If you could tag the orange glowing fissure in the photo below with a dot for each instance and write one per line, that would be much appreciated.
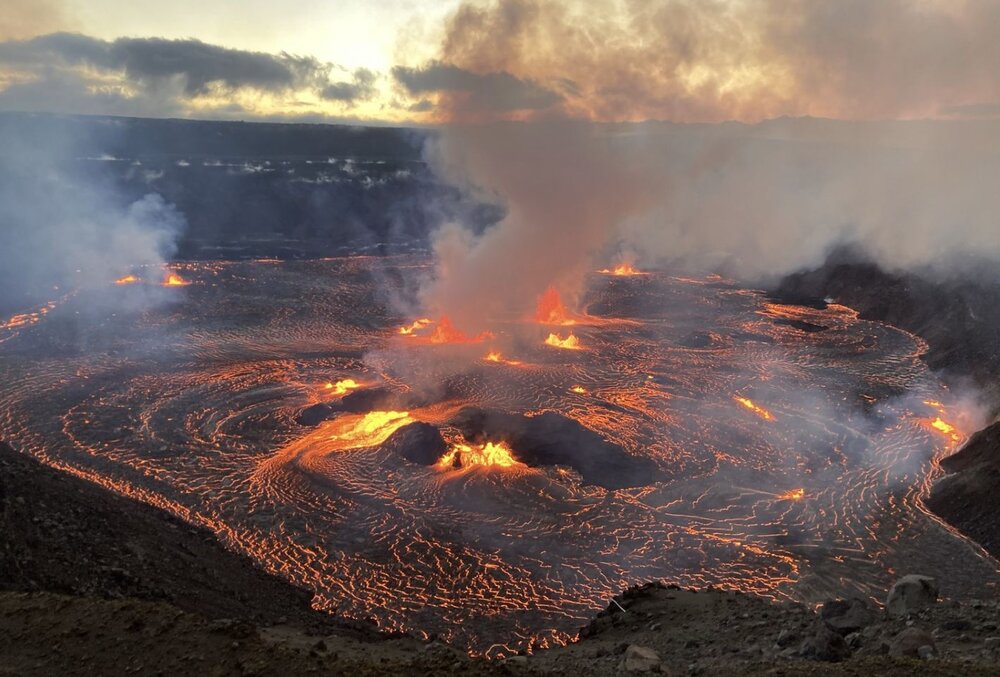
(760, 411)
(571, 342)
(127, 279)
(622, 270)
(416, 325)
(342, 386)
(359, 431)
(793, 495)
(444, 331)
(489, 454)
(497, 357)
(550, 309)
(174, 280)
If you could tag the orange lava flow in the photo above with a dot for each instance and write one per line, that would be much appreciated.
(793, 495)
(491, 454)
(342, 386)
(571, 342)
(550, 309)
(760, 411)
(174, 280)
(128, 279)
(367, 430)
(579, 390)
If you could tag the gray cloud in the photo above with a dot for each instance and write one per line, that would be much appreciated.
(70, 72)
(150, 60)
(362, 87)
(497, 91)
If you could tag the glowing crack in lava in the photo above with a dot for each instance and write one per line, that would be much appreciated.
(174, 280)
(127, 279)
(655, 472)
(755, 408)
(490, 454)
(550, 309)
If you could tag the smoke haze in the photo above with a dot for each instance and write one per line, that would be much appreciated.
(62, 229)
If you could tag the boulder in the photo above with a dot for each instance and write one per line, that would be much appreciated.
(910, 594)
(640, 659)
(824, 645)
(845, 616)
(908, 643)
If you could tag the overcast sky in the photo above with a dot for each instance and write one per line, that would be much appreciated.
(423, 61)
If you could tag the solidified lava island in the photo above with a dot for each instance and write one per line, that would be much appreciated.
(497, 489)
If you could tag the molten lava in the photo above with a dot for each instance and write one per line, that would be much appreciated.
(760, 411)
(128, 279)
(174, 280)
(356, 431)
(579, 390)
(946, 428)
(445, 332)
(490, 454)
(571, 342)
(342, 386)
(622, 270)
(793, 495)
(550, 309)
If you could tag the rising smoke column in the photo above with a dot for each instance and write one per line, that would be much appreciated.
(752, 200)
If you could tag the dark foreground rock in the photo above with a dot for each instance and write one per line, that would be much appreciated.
(65, 535)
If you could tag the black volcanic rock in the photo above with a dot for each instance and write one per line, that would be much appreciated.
(802, 325)
(356, 402)
(418, 443)
(552, 439)
(959, 318)
(314, 415)
(969, 498)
